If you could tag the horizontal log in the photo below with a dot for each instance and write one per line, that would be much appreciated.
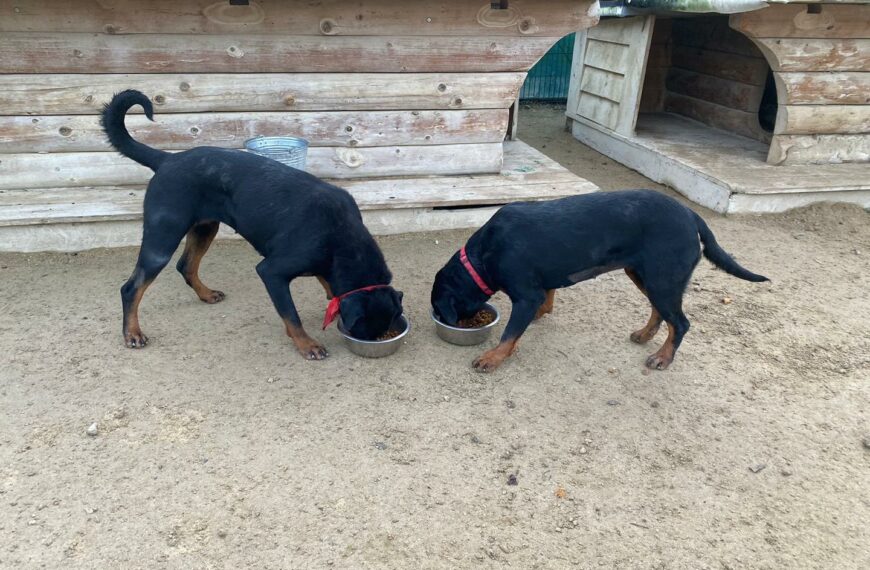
(820, 88)
(751, 70)
(819, 149)
(552, 18)
(82, 133)
(167, 53)
(795, 21)
(73, 169)
(733, 94)
(822, 119)
(711, 33)
(731, 120)
(74, 94)
(816, 55)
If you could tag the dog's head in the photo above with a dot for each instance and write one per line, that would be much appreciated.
(455, 295)
(369, 314)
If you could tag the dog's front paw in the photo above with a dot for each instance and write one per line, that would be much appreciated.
(213, 297)
(312, 350)
(135, 339)
(658, 361)
(487, 362)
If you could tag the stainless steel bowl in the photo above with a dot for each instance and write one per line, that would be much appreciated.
(376, 348)
(465, 337)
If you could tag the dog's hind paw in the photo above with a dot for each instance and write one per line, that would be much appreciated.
(213, 297)
(658, 361)
(135, 340)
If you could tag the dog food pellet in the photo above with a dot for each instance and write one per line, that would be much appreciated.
(480, 319)
(389, 335)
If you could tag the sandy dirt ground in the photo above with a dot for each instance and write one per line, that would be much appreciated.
(219, 447)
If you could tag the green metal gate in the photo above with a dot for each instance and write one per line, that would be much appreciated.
(548, 80)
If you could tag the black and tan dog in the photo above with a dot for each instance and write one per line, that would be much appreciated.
(528, 250)
(299, 224)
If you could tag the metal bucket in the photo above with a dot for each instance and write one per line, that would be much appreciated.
(291, 151)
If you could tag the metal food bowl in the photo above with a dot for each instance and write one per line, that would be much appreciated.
(465, 337)
(291, 151)
(376, 348)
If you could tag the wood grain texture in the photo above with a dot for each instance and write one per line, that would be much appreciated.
(819, 149)
(711, 33)
(816, 55)
(82, 133)
(794, 21)
(551, 18)
(74, 169)
(751, 70)
(166, 53)
(822, 119)
(820, 88)
(73, 94)
(733, 94)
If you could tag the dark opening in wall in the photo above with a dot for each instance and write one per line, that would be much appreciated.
(768, 106)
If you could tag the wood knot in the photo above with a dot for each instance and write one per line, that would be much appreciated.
(185, 86)
(235, 51)
(160, 99)
(194, 131)
(442, 87)
(65, 131)
(89, 99)
(110, 29)
(78, 53)
(349, 129)
(289, 100)
(328, 27)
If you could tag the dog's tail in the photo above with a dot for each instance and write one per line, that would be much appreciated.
(113, 124)
(719, 257)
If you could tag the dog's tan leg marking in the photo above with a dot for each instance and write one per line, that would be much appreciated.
(199, 239)
(645, 334)
(662, 358)
(133, 336)
(310, 348)
(547, 307)
(492, 359)
(326, 286)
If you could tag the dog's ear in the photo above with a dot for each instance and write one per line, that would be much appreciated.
(398, 296)
(445, 310)
(353, 311)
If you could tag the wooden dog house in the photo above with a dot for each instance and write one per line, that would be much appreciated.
(755, 112)
(406, 103)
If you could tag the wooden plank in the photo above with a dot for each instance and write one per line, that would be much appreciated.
(22, 52)
(597, 109)
(712, 33)
(822, 119)
(819, 88)
(751, 70)
(553, 18)
(603, 83)
(795, 21)
(652, 98)
(641, 33)
(81, 133)
(819, 149)
(108, 168)
(73, 94)
(607, 56)
(727, 93)
(577, 69)
(527, 175)
(614, 31)
(727, 119)
(816, 55)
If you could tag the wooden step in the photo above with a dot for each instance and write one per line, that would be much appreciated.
(722, 171)
(69, 219)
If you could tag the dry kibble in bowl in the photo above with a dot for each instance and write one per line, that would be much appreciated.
(480, 319)
(389, 335)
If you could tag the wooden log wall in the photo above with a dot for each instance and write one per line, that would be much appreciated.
(379, 87)
(717, 76)
(658, 64)
(820, 56)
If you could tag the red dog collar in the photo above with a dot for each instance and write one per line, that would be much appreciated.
(474, 274)
(334, 306)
